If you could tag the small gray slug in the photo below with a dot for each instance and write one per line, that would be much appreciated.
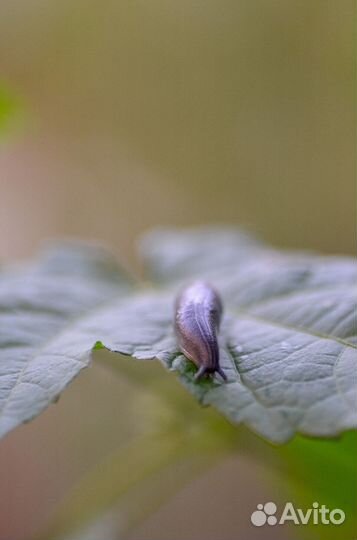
(198, 312)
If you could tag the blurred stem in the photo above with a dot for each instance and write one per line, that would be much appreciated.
(130, 468)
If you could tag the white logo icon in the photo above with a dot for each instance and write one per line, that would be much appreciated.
(264, 515)
(317, 514)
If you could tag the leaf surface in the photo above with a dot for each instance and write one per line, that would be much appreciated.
(288, 338)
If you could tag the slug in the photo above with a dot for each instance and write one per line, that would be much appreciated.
(198, 313)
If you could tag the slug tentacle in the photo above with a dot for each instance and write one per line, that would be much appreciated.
(198, 313)
(200, 373)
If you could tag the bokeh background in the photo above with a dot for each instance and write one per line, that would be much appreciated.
(135, 114)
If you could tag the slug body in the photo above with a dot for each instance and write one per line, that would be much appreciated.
(198, 313)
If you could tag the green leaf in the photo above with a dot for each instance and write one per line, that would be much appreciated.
(8, 108)
(288, 340)
(325, 471)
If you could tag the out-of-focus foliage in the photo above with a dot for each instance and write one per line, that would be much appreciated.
(8, 108)
(323, 471)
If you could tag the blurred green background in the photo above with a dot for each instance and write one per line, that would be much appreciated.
(135, 114)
